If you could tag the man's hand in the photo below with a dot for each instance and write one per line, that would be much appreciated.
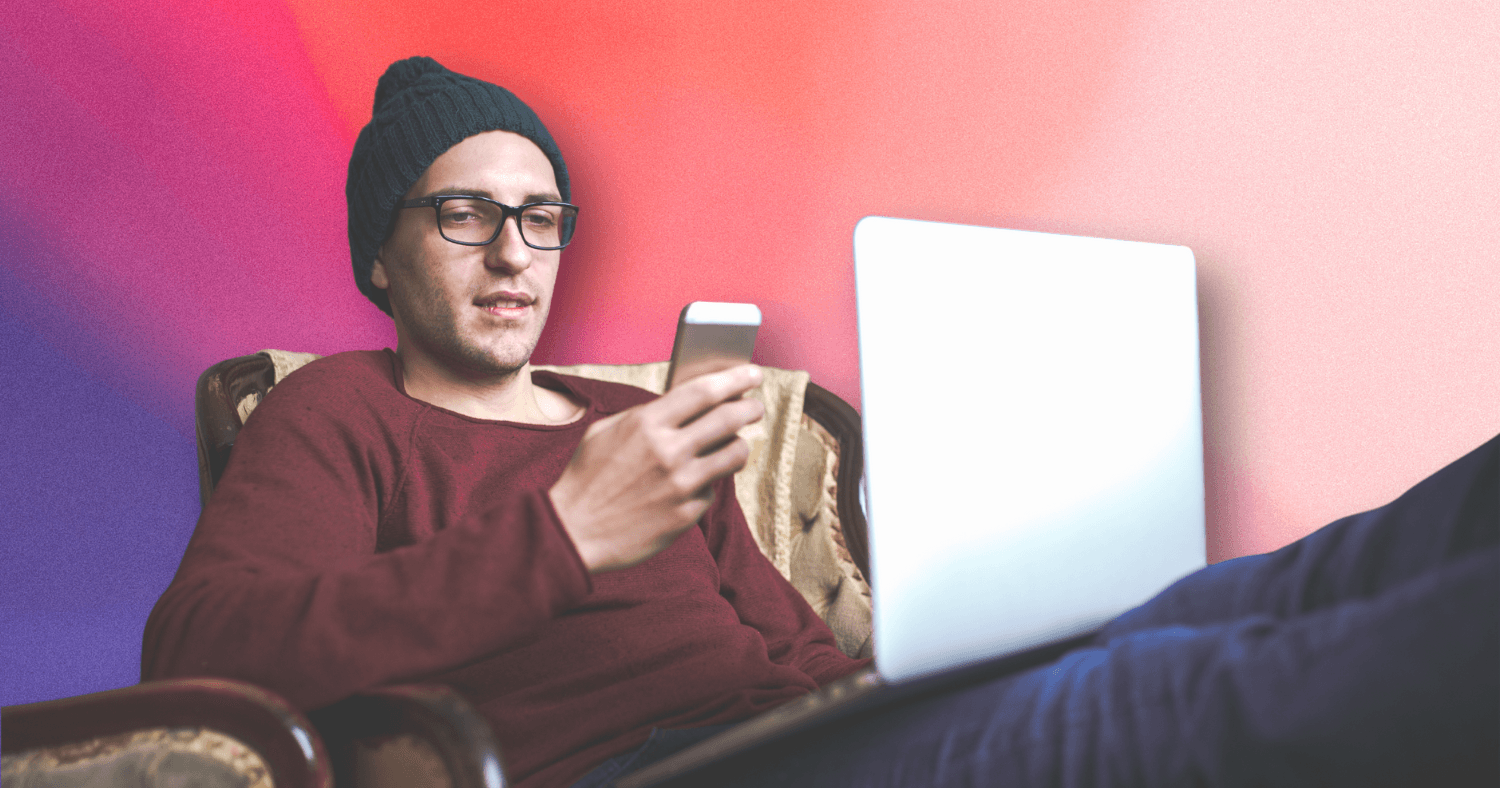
(643, 476)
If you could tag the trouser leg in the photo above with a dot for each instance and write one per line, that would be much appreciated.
(1447, 515)
(1397, 689)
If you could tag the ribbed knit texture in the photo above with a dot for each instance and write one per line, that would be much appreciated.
(421, 110)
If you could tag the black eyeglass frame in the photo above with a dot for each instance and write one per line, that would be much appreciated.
(506, 211)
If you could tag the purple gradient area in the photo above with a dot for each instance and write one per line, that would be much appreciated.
(171, 181)
(185, 172)
(99, 498)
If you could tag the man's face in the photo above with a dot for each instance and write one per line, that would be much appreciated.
(476, 310)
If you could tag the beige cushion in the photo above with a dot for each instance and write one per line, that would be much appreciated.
(821, 566)
(401, 761)
(149, 758)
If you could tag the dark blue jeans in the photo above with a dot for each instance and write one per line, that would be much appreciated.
(1366, 654)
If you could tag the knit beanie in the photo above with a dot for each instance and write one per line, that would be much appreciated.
(421, 110)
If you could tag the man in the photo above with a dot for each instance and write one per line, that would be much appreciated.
(443, 513)
(569, 554)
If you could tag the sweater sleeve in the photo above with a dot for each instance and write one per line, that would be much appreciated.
(795, 636)
(282, 585)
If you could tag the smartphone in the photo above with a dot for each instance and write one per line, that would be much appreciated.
(712, 336)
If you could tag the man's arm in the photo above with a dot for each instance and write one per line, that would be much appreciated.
(651, 472)
(794, 634)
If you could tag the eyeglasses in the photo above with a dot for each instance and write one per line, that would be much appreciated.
(477, 221)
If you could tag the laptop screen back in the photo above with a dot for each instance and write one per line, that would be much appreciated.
(1033, 434)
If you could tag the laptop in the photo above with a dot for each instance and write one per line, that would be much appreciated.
(1033, 457)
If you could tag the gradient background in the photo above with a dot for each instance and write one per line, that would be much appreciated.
(171, 181)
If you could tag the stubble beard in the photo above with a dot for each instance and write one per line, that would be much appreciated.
(443, 339)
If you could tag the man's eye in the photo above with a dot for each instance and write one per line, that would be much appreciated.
(539, 219)
(460, 216)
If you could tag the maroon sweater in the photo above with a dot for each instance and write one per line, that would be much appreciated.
(361, 537)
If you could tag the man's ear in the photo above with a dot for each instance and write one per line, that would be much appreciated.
(377, 272)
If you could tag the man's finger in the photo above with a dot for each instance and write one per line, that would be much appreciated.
(722, 422)
(722, 462)
(691, 399)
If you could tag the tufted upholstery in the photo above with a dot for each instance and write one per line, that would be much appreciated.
(212, 733)
(149, 757)
(821, 566)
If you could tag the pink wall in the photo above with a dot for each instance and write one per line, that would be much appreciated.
(171, 179)
(1334, 166)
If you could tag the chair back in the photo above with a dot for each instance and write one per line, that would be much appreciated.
(217, 417)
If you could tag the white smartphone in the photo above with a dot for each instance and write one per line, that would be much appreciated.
(712, 336)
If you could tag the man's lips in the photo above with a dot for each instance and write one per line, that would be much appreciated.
(505, 302)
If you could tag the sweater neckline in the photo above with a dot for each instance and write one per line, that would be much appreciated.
(539, 377)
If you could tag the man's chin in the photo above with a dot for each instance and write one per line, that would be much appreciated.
(479, 352)
(493, 362)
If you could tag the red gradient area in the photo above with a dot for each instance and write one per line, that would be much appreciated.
(718, 154)
(725, 152)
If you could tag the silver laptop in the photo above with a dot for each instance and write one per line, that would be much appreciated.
(1033, 455)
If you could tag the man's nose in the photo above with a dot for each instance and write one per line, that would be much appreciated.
(508, 252)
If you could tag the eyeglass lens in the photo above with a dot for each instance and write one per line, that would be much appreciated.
(478, 222)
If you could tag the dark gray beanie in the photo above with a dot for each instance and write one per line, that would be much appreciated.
(422, 110)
